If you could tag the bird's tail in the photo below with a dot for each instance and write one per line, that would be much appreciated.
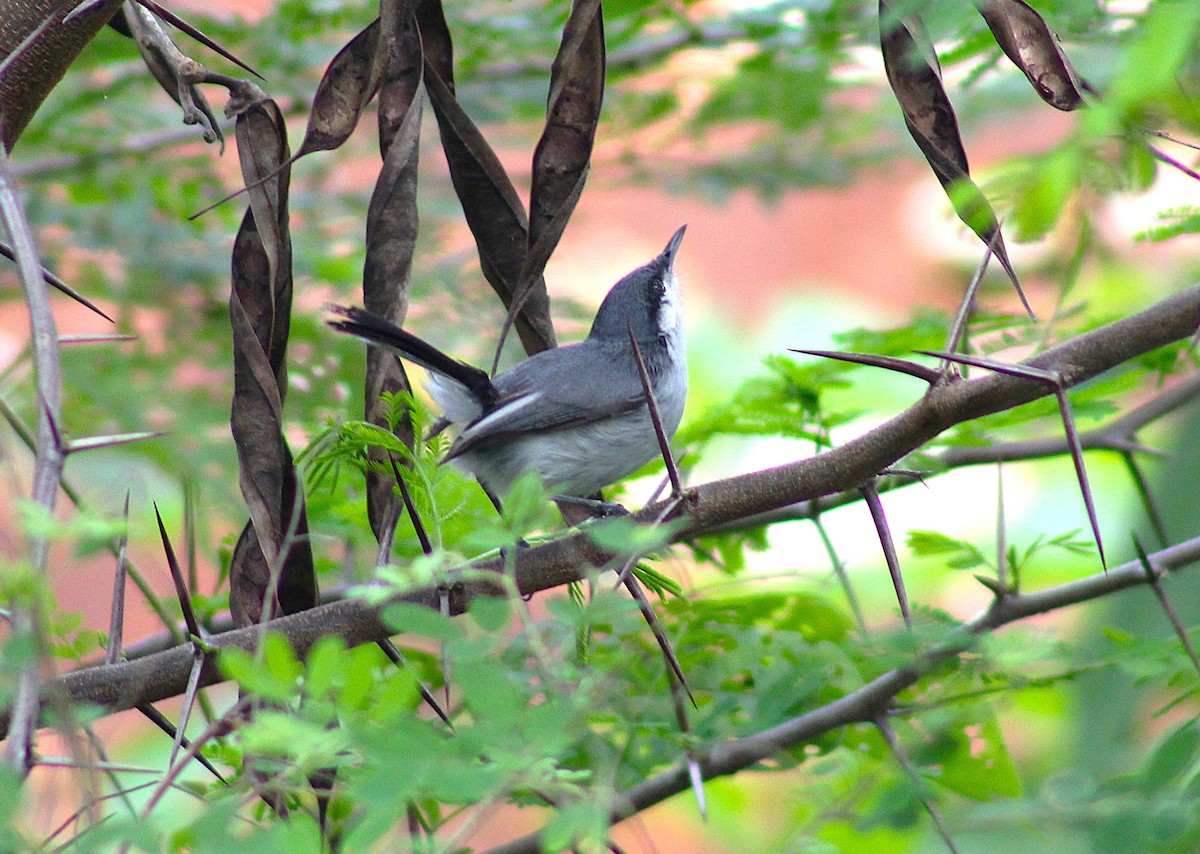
(379, 331)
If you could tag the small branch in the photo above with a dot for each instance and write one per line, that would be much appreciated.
(1168, 608)
(839, 569)
(634, 56)
(49, 459)
(134, 145)
(893, 743)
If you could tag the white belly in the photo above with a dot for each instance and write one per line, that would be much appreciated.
(581, 460)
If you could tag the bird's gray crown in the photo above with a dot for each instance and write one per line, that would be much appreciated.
(637, 299)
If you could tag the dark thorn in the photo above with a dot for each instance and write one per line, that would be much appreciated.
(189, 702)
(59, 444)
(67, 340)
(1054, 380)
(397, 658)
(159, 720)
(94, 442)
(911, 474)
(189, 533)
(1027, 372)
(176, 21)
(1143, 490)
(410, 508)
(664, 444)
(897, 749)
(839, 569)
(1163, 157)
(274, 173)
(1068, 419)
(888, 363)
(959, 327)
(639, 596)
(57, 283)
(185, 601)
(871, 494)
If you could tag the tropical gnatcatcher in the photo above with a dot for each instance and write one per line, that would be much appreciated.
(575, 414)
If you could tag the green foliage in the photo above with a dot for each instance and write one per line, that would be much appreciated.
(1180, 221)
(787, 402)
(959, 553)
(562, 706)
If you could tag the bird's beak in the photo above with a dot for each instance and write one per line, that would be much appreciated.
(668, 254)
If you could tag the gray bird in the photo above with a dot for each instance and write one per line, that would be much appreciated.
(576, 414)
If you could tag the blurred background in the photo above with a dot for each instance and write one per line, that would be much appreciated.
(769, 129)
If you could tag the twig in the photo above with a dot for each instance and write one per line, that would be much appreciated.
(48, 459)
(839, 569)
(1168, 608)
(889, 735)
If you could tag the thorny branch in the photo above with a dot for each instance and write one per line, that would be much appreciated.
(874, 699)
(49, 457)
(1118, 435)
(719, 503)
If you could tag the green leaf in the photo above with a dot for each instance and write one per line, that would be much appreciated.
(527, 506)
(1171, 758)
(622, 535)
(417, 620)
(579, 824)
(1053, 178)
(1165, 38)
(323, 665)
(656, 581)
(490, 613)
(280, 659)
(961, 554)
(978, 765)
(256, 677)
(1180, 221)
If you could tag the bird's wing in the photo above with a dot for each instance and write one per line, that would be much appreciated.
(557, 401)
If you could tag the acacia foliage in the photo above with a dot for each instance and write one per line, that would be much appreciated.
(865, 724)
